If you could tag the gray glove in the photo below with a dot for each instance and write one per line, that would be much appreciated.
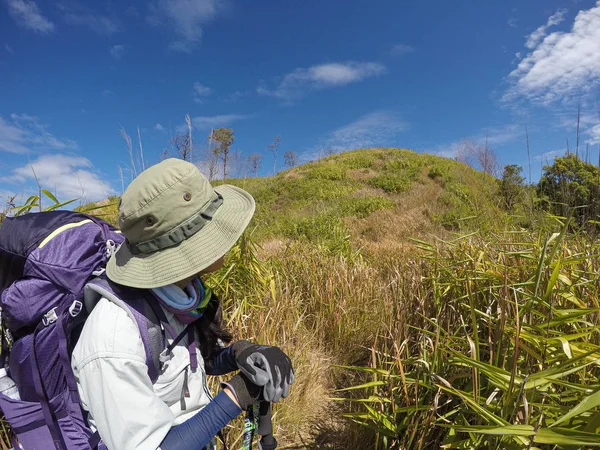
(246, 392)
(265, 366)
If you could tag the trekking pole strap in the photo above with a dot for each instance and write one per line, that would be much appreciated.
(265, 428)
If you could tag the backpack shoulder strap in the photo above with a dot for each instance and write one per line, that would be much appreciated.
(138, 308)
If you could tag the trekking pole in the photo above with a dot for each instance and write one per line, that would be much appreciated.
(258, 419)
(250, 425)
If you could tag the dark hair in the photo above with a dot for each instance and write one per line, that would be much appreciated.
(211, 330)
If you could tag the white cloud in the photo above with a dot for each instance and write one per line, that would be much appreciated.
(378, 128)
(594, 134)
(101, 25)
(564, 65)
(401, 49)
(303, 80)
(66, 176)
(186, 18)
(497, 136)
(534, 38)
(117, 51)
(208, 122)
(234, 96)
(548, 157)
(23, 133)
(9, 49)
(159, 127)
(28, 15)
(200, 91)
(512, 22)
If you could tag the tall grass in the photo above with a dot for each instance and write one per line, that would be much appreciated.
(497, 347)
(461, 339)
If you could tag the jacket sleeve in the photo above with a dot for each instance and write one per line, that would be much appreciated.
(221, 362)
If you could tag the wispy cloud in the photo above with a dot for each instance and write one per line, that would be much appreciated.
(102, 25)
(66, 176)
(117, 51)
(379, 128)
(497, 136)
(159, 127)
(186, 18)
(512, 22)
(9, 49)
(562, 66)
(208, 122)
(298, 83)
(27, 14)
(234, 97)
(594, 135)
(200, 91)
(24, 132)
(401, 49)
(534, 38)
(548, 157)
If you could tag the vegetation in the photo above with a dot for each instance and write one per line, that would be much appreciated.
(424, 304)
(571, 183)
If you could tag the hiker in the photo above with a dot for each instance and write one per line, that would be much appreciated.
(177, 229)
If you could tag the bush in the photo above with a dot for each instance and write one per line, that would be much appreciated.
(362, 207)
(326, 172)
(391, 183)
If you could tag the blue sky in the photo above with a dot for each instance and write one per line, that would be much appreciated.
(334, 74)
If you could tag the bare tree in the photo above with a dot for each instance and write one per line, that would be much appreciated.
(477, 155)
(290, 158)
(274, 149)
(254, 162)
(238, 163)
(189, 124)
(209, 163)
(182, 146)
(328, 151)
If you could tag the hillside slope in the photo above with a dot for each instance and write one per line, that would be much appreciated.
(370, 199)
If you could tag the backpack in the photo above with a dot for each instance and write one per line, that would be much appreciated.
(51, 273)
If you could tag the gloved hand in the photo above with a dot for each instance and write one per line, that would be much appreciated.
(245, 390)
(265, 366)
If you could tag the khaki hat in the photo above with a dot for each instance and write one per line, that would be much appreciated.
(175, 225)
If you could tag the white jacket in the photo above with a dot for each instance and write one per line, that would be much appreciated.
(109, 364)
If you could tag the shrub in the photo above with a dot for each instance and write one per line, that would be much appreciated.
(393, 183)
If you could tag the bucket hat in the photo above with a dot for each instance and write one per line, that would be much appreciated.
(175, 225)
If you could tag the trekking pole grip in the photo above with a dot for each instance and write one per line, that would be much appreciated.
(265, 427)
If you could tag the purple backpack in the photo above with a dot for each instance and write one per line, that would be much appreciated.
(51, 266)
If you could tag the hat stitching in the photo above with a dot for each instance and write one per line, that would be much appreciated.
(167, 187)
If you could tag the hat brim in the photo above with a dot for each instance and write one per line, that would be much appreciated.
(173, 264)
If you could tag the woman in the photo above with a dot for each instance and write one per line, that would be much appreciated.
(177, 228)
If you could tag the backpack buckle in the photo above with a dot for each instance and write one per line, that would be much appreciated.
(75, 308)
(165, 356)
(50, 317)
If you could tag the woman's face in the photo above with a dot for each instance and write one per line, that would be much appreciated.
(212, 268)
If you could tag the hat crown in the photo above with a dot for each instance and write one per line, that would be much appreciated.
(161, 198)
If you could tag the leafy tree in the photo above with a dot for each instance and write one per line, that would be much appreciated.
(512, 185)
(254, 162)
(224, 137)
(571, 183)
(290, 158)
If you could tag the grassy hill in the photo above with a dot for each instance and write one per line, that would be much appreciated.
(417, 312)
(367, 199)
